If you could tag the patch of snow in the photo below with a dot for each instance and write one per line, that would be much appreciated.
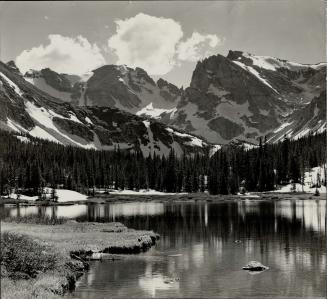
(195, 141)
(38, 132)
(288, 133)
(88, 120)
(255, 73)
(23, 197)
(310, 179)
(146, 123)
(214, 149)
(63, 195)
(142, 192)
(284, 125)
(44, 117)
(248, 146)
(69, 195)
(322, 128)
(302, 133)
(248, 195)
(155, 113)
(272, 63)
(23, 139)
(12, 84)
(74, 118)
(318, 65)
(150, 135)
(262, 61)
(298, 187)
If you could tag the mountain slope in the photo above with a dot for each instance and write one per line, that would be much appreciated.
(26, 109)
(68, 88)
(310, 119)
(244, 96)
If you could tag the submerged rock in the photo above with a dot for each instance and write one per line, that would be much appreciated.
(255, 266)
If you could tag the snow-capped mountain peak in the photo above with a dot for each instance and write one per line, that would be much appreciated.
(271, 63)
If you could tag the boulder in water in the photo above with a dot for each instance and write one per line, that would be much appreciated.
(255, 266)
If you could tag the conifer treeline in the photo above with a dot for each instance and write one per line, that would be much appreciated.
(30, 166)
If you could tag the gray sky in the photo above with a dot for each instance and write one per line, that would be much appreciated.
(165, 38)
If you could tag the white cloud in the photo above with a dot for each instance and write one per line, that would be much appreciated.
(63, 55)
(147, 42)
(197, 46)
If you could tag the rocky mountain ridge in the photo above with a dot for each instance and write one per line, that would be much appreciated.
(25, 109)
(242, 96)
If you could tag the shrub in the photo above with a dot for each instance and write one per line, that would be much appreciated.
(24, 258)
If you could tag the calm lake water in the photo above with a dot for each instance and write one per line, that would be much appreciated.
(197, 255)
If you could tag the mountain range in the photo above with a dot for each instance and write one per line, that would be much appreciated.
(26, 109)
(237, 98)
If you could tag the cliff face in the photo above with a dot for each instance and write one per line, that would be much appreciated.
(129, 89)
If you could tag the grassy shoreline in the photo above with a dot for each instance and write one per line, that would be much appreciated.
(68, 246)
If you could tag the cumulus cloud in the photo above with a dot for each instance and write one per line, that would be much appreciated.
(148, 42)
(63, 55)
(197, 46)
(156, 44)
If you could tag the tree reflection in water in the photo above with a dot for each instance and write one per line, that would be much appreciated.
(197, 247)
